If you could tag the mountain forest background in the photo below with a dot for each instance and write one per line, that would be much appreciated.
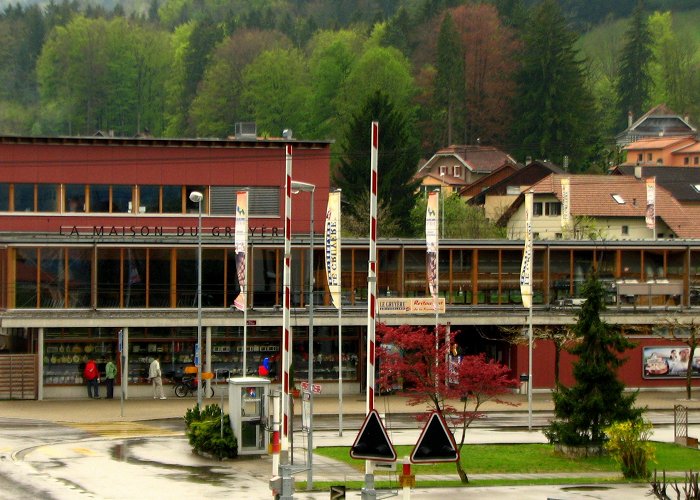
(544, 79)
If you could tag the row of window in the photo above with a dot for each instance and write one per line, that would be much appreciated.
(552, 208)
(456, 170)
(686, 159)
(130, 199)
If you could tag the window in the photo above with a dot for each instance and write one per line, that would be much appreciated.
(552, 208)
(513, 190)
(4, 197)
(99, 198)
(535, 236)
(537, 209)
(696, 160)
(640, 157)
(457, 171)
(557, 236)
(619, 199)
(121, 199)
(696, 187)
(74, 198)
(47, 197)
(149, 199)
(24, 197)
(649, 157)
(686, 160)
(172, 199)
(625, 230)
(443, 169)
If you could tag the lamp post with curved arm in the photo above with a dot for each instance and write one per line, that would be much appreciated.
(197, 197)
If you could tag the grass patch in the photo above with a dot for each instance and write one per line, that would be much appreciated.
(527, 459)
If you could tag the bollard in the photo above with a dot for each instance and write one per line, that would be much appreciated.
(406, 479)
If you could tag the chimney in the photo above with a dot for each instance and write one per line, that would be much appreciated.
(528, 160)
(630, 119)
(566, 163)
(638, 172)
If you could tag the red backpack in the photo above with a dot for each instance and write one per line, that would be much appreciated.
(90, 371)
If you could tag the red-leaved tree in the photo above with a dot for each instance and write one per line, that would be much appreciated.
(414, 359)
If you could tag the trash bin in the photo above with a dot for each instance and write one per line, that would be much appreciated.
(523, 383)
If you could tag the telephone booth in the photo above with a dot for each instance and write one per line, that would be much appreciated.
(247, 397)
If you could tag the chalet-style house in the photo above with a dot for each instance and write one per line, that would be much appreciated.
(660, 121)
(602, 207)
(676, 151)
(454, 167)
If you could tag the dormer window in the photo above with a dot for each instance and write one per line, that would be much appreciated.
(696, 187)
(619, 199)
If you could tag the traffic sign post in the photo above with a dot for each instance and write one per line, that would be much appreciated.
(436, 443)
(372, 442)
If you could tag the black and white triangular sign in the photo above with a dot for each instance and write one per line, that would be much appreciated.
(372, 442)
(435, 443)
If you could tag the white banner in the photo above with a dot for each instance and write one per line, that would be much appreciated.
(241, 247)
(332, 247)
(565, 203)
(526, 267)
(431, 241)
(650, 216)
(411, 305)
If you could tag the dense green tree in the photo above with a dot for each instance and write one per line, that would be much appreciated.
(382, 69)
(597, 399)
(449, 81)
(98, 74)
(333, 54)
(276, 92)
(218, 104)
(398, 158)
(554, 110)
(461, 221)
(634, 81)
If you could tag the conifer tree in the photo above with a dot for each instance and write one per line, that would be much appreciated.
(634, 81)
(597, 399)
(398, 160)
(449, 80)
(554, 115)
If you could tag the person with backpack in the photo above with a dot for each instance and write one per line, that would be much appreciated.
(92, 375)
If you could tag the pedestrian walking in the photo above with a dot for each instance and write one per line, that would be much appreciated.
(154, 375)
(110, 375)
(91, 374)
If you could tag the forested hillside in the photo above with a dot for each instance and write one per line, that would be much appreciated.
(458, 71)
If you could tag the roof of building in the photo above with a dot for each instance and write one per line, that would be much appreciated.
(477, 158)
(525, 176)
(483, 183)
(679, 181)
(617, 196)
(659, 120)
(658, 142)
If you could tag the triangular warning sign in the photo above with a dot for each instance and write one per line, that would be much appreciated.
(372, 442)
(435, 443)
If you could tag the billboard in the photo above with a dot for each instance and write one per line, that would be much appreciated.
(669, 362)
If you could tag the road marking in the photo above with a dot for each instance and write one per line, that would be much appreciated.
(122, 429)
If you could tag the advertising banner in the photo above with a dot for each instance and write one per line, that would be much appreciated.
(669, 362)
(565, 203)
(332, 247)
(411, 305)
(241, 247)
(650, 215)
(526, 267)
(431, 241)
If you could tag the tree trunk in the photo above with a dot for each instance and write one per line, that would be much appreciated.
(689, 372)
(462, 473)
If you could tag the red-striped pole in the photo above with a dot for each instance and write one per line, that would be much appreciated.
(372, 274)
(286, 329)
(368, 492)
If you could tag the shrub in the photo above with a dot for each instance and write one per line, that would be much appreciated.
(628, 443)
(204, 432)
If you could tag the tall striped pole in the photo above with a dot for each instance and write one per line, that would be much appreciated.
(368, 492)
(286, 330)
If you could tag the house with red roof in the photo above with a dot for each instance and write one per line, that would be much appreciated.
(601, 207)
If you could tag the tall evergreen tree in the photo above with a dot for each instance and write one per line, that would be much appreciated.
(449, 80)
(635, 81)
(398, 159)
(597, 399)
(554, 113)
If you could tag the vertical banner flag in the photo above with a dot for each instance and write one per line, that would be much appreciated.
(332, 247)
(241, 236)
(526, 268)
(431, 241)
(565, 203)
(650, 217)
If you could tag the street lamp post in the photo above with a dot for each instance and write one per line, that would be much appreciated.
(298, 186)
(197, 197)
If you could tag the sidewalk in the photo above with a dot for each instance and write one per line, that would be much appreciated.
(88, 410)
